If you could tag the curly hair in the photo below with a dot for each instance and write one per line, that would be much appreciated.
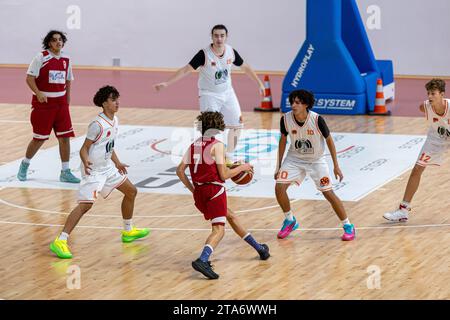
(104, 93)
(305, 97)
(435, 84)
(49, 37)
(210, 123)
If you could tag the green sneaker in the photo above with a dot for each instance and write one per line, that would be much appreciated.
(67, 176)
(133, 234)
(61, 249)
(22, 174)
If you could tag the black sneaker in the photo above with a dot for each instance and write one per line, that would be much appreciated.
(264, 254)
(204, 268)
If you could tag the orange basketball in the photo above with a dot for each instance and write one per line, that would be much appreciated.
(243, 177)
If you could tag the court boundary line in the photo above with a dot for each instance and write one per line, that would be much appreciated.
(251, 229)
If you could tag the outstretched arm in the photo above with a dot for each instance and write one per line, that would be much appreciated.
(249, 72)
(180, 74)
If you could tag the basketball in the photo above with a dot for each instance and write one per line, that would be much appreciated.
(243, 177)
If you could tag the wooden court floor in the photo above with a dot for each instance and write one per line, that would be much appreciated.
(413, 259)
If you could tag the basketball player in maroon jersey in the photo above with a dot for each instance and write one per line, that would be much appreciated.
(206, 161)
(49, 76)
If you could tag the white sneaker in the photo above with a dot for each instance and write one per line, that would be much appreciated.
(399, 215)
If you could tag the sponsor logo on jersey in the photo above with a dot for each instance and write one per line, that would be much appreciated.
(443, 132)
(64, 64)
(213, 63)
(108, 133)
(435, 120)
(294, 131)
(304, 146)
(221, 76)
(310, 132)
(57, 77)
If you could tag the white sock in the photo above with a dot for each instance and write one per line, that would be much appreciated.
(63, 236)
(65, 165)
(405, 205)
(127, 224)
(346, 221)
(26, 160)
(289, 216)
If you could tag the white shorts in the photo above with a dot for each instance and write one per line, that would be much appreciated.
(294, 170)
(432, 152)
(226, 103)
(95, 183)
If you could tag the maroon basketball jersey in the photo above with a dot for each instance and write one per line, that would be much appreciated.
(53, 74)
(202, 166)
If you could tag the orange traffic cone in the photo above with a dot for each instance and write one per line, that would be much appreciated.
(380, 102)
(266, 103)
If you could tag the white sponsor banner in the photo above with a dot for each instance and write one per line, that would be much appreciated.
(367, 161)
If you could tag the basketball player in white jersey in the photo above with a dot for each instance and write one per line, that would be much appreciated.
(214, 83)
(308, 133)
(437, 112)
(102, 172)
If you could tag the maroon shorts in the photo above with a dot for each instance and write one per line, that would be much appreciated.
(211, 200)
(51, 115)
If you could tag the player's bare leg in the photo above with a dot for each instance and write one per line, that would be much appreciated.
(402, 213)
(64, 152)
(32, 148)
(129, 191)
(64, 149)
(289, 223)
(338, 207)
(75, 216)
(59, 246)
(233, 135)
(336, 203)
(202, 264)
(130, 233)
(413, 183)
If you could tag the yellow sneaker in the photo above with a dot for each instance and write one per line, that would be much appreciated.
(133, 234)
(61, 249)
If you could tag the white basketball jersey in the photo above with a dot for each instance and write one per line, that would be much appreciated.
(215, 74)
(439, 125)
(101, 150)
(307, 142)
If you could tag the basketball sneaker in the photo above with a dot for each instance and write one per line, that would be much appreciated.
(204, 268)
(133, 234)
(264, 253)
(287, 228)
(349, 232)
(67, 176)
(23, 169)
(399, 215)
(61, 249)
